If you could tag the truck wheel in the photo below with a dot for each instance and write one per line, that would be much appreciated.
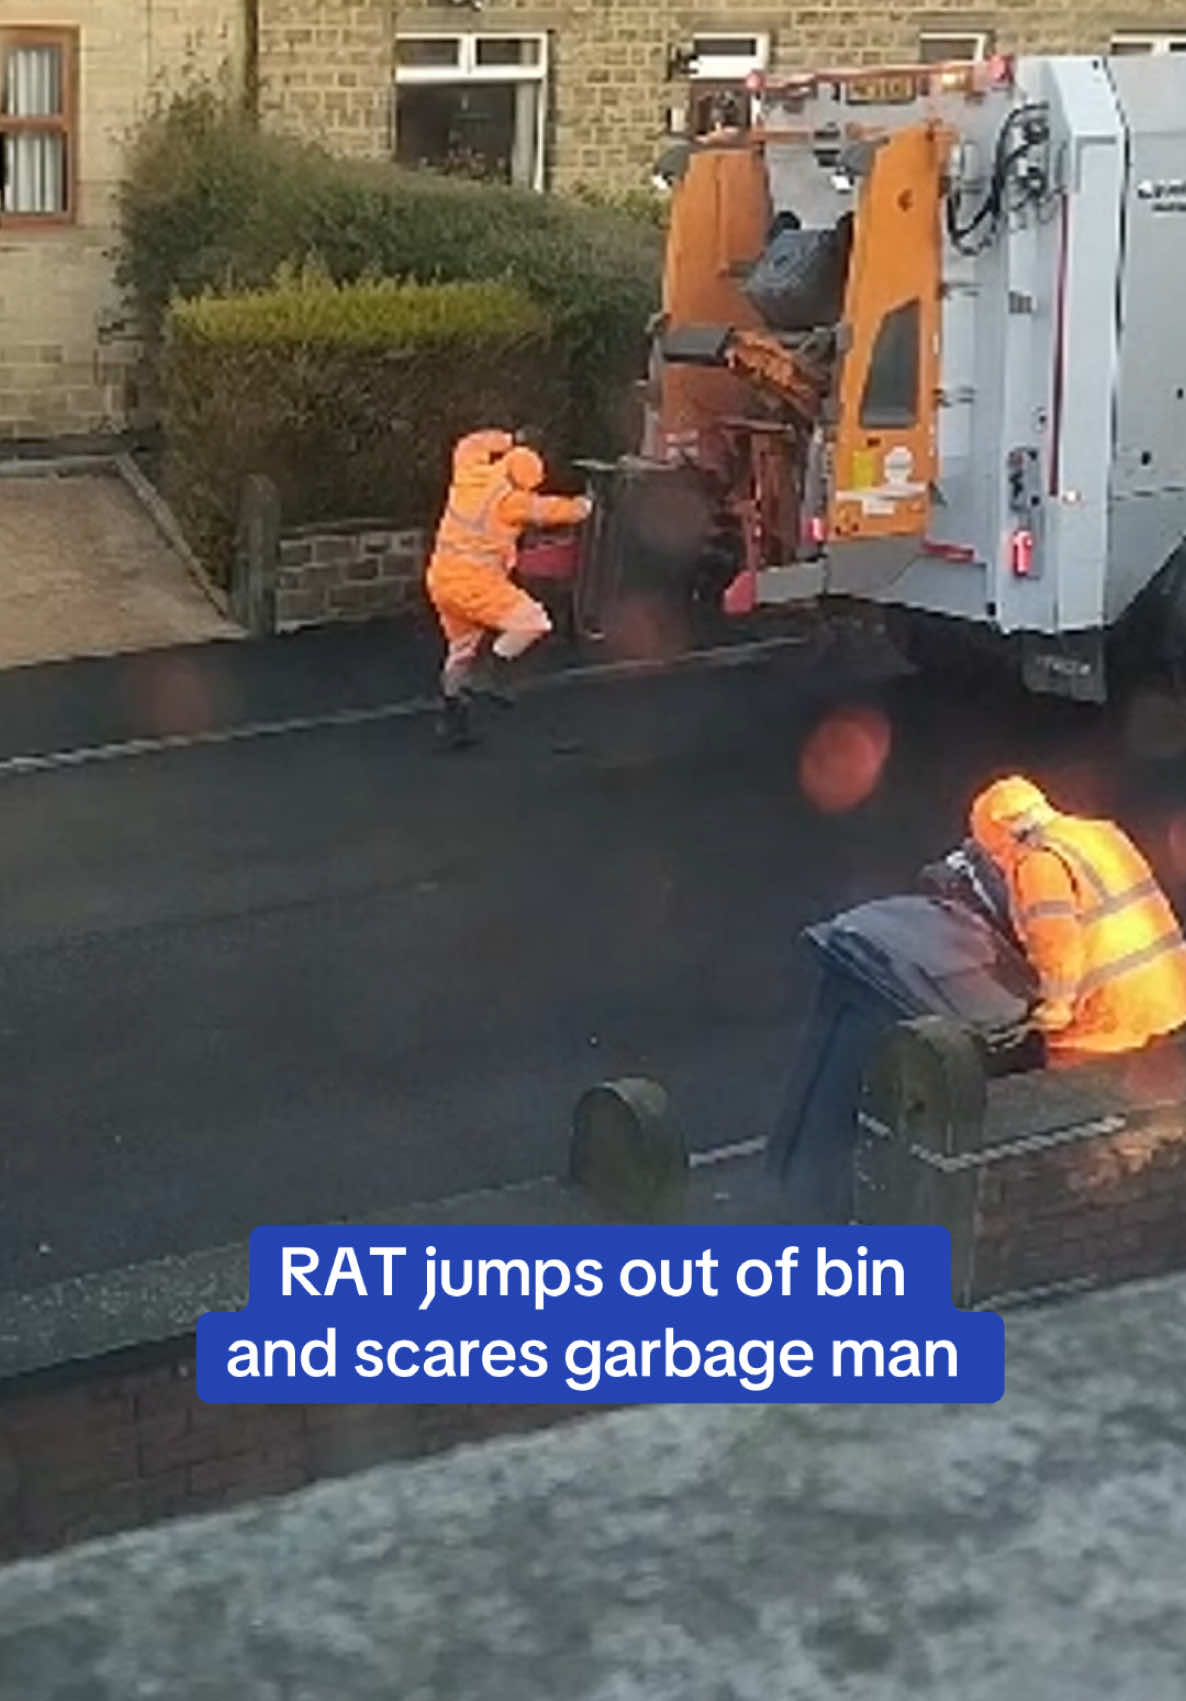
(939, 647)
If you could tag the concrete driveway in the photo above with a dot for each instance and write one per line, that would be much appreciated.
(84, 572)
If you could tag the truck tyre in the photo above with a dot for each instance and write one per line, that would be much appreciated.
(940, 647)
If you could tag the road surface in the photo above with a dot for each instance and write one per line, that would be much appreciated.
(316, 972)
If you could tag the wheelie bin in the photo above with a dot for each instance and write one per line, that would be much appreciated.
(943, 951)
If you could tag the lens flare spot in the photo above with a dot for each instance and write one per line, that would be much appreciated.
(644, 630)
(173, 694)
(843, 759)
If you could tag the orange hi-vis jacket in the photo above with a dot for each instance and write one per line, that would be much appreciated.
(492, 500)
(1097, 928)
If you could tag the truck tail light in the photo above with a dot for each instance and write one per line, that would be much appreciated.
(1022, 553)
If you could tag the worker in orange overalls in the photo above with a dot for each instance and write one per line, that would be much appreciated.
(488, 621)
(1095, 925)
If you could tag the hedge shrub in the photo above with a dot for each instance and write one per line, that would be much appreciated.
(210, 202)
(348, 396)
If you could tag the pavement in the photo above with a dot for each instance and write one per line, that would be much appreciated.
(289, 970)
(86, 573)
(1029, 1551)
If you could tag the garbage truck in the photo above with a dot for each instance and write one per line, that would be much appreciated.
(920, 346)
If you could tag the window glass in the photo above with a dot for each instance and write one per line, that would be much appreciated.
(507, 50)
(891, 389)
(430, 52)
(480, 130)
(34, 129)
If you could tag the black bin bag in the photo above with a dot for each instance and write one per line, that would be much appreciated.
(798, 284)
(888, 962)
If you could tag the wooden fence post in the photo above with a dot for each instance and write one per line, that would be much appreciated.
(257, 554)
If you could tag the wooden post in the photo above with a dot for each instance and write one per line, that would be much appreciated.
(626, 1154)
(922, 1111)
(257, 554)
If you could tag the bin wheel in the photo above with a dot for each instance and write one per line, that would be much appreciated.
(928, 1084)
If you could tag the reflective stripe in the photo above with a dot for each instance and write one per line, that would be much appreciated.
(1134, 960)
(1050, 907)
(476, 543)
(1118, 904)
(1110, 903)
(1050, 841)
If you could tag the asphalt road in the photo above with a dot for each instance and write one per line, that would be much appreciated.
(293, 977)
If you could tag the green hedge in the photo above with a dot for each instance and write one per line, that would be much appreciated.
(348, 396)
(210, 202)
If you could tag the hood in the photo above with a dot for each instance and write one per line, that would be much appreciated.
(524, 469)
(1004, 813)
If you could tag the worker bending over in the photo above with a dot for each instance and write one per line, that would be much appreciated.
(488, 621)
(1098, 930)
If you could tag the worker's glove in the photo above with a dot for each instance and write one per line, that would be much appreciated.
(1053, 1017)
(584, 508)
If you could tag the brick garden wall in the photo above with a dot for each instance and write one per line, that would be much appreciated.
(1112, 1207)
(351, 572)
(1066, 1178)
(114, 1447)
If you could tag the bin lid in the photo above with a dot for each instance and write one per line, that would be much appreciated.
(932, 957)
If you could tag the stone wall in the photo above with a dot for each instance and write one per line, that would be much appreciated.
(68, 356)
(351, 572)
(609, 94)
(69, 359)
(114, 1446)
(1046, 1181)
(325, 72)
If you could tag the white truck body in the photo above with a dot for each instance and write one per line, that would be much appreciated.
(1062, 414)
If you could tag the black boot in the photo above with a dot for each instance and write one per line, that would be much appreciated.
(490, 678)
(454, 731)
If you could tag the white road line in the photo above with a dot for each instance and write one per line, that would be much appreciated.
(726, 1154)
(12, 766)
(731, 655)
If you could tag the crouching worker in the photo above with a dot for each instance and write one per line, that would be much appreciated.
(1096, 927)
(487, 621)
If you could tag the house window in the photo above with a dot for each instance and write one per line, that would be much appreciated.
(37, 125)
(717, 67)
(954, 47)
(473, 105)
(1122, 44)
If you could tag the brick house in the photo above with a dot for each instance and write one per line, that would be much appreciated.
(545, 93)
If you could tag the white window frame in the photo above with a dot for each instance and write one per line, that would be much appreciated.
(725, 70)
(1151, 41)
(979, 40)
(466, 69)
(709, 67)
